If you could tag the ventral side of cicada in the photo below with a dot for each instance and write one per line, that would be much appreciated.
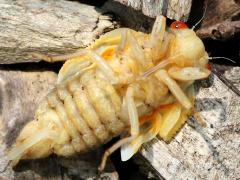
(126, 81)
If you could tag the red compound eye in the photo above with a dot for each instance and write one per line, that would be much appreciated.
(178, 25)
(208, 66)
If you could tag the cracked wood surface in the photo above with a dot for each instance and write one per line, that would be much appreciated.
(222, 20)
(54, 27)
(233, 75)
(173, 9)
(211, 152)
(203, 153)
(20, 91)
(206, 153)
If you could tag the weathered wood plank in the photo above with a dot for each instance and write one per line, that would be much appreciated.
(233, 75)
(173, 9)
(188, 155)
(221, 20)
(229, 75)
(212, 148)
(203, 153)
(19, 94)
(56, 27)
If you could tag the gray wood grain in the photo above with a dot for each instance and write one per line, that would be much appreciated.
(203, 153)
(57, 27)
(20, 91)
(233, 75)
(173, 9)
(221, 20)
(50, 27)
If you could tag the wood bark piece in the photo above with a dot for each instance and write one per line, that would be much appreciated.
(230, 76)
(233, 75)
(173, 9)
(221, 21)
(19, 94)
(50, 27)
(203, 153)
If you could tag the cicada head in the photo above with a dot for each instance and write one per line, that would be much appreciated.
(187, 45)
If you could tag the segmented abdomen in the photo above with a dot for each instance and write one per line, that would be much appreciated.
(87, 108)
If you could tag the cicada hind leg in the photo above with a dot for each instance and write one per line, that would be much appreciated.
(134, 131)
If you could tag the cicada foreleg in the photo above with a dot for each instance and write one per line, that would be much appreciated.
(163, 76)
(177, 91)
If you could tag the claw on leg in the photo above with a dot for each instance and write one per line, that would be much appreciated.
(198, 118)
(113, 148)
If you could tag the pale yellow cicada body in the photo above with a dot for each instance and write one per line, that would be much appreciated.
(126, 81)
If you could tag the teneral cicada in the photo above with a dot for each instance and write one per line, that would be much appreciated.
(126, 81)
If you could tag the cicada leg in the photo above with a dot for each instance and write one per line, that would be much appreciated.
(134, 122)
(122, 43)
(198, 118)
(158, 31)
(187, 76)
(113, 148)
(72, 67)
(52, 59)
(188, 73)
(163, 76)
(85, 60)
(176, 90)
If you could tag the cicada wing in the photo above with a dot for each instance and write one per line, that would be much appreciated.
(129, 149)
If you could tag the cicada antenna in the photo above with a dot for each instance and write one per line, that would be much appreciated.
(210, 58)
(204, 12)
